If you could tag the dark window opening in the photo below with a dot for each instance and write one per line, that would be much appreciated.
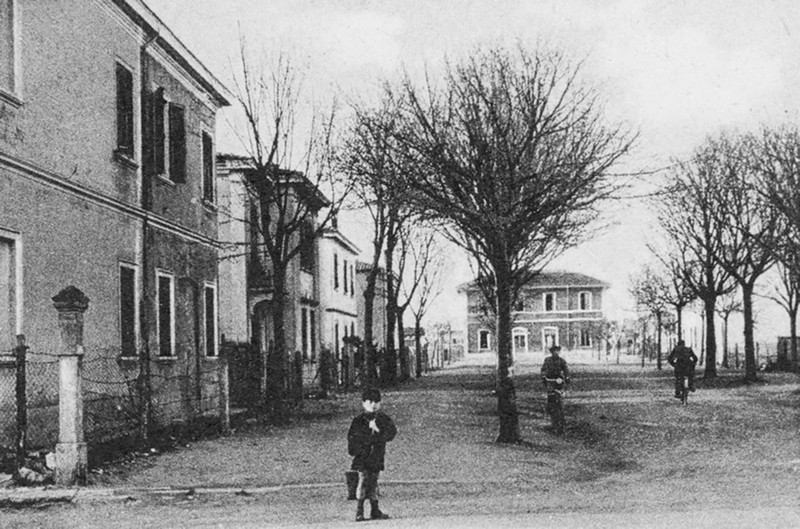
(127, 311)
(211, 322)
(208, 168)
(177, 144)
(165, 316)
(124, 111)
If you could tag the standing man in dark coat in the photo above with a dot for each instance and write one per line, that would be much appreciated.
(683, 360)
(366, 442)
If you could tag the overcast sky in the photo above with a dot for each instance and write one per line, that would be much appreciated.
(676, 71)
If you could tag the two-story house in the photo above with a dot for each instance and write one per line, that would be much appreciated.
(563, 308)
(247, 271)
(107, 126)
(337, 289)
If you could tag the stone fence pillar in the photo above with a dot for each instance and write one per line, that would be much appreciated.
(71, 453)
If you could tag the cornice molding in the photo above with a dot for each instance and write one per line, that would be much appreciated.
(57, 182)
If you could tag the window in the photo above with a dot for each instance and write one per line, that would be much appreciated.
(304, 332)
(352, 329)
(124, 111)
(352, 281)
(177, 144)
(549, 302)
(344, 272)
(312, 320)
(519, 306)
(158, 106)
(484, 341)
(128, 316)
(335, 272)
(8, 48)
(585, 300)
(208, 168)
(210, 328)
(336, 339)
(7, 294)
(585, 338)
(166, 311)
(307, 247)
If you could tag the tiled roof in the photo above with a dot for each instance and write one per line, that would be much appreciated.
(556, 278)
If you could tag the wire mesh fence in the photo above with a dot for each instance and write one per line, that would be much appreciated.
(8, 405)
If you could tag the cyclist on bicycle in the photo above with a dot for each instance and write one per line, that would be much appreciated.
(555, 367)
(683, 360)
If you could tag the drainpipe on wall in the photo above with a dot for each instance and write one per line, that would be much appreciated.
(144, 382)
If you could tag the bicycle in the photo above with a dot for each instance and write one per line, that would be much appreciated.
(556, 387)
(685, 390)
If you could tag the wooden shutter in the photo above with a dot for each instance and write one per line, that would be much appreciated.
(177, 144)
(158, 138)
(124, 110)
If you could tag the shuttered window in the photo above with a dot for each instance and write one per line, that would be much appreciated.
(177, 144)
(124, 111)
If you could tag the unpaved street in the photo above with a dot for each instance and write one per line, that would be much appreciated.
(631, 457)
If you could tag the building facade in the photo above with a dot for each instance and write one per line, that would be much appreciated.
(556, 308)
(338, 301)
(247, 270)
(107, 126)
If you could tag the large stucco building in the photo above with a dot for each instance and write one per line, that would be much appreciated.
(107, 133)
(564, 308)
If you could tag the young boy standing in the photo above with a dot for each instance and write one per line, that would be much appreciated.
(366, 442)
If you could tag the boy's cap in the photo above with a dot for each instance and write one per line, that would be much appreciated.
(372, 394)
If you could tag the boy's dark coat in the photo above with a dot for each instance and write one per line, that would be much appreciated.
(367, 447)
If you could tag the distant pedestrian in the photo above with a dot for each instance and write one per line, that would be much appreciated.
(366, 442)
(683, 360)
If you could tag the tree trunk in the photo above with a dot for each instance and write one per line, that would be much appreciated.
(725, 362)
(390, 361)
(277, 354)
(750, 367)
(710, 338)
(405, 364)
(370, 372)
(658, 352)
(793, 337)
(644, 340)
(418, 345)
(679, 311)
(506, 394)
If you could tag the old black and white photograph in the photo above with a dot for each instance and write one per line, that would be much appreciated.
(458, 263)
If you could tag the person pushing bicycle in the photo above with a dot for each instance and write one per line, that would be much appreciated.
(555, 376)
(683, 360)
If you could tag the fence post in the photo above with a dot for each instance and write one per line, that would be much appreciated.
(224, 388)
(20, 352)
(71, 454)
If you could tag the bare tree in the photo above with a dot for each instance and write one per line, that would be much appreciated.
(417, 248)
(786, 293)
(292, 190)
(778, 173)
(687, 214)
(751, 228)
(370, 161)
(650, 292)
(727, 305)
(513, 155)
(678, 292)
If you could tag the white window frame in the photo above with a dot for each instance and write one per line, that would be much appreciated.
(171, 277)
(585, 333)
(12, 94)
(520, 331)
(544, 301)
(136, 316)
(215, 336)
(488, 339)
(556, 341)
(15, 240)
(589, 300)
